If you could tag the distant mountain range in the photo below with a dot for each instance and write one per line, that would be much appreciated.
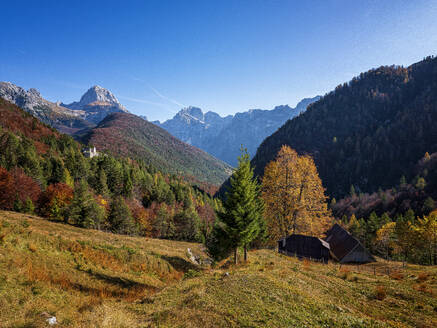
(93, 107)
(98, 118)
(59, 117)
(223, 136)
(219, 136)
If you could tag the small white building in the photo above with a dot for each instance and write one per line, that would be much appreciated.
(91, 152)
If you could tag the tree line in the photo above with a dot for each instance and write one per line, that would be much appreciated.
(405, 237)
(50, 176)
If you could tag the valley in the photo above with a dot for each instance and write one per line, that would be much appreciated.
(130, 207)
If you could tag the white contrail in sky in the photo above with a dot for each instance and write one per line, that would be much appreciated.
(148, 102)
(159, 94)
(166, 98)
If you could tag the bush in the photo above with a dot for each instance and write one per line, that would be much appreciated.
(380, 292)
(396, 275)
(352, 277)
(344, 272)
(32, 247)
(191, 274)
(423, 276)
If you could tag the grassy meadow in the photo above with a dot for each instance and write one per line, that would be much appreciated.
(88, 278)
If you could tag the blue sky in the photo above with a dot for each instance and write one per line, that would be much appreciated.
(225, 56)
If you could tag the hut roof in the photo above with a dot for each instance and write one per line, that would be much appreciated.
(306, 246)
(342, 242)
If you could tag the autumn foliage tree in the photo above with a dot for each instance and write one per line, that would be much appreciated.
(7, 187)
(294, 197)
(26, 187)
(17, 190)
(55, 200)
(426, 229)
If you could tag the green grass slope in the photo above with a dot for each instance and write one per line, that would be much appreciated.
(88, 278)
(129, 135)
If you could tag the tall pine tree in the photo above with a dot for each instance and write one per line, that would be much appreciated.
(241, 221)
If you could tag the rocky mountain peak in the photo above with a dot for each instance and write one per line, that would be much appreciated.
(193, 112)
(98, 100)
(99, 94)
(34, 92)
(19, 96)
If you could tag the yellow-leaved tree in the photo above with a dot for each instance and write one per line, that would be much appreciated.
(294, 197)
(426, 229)
(386, 238)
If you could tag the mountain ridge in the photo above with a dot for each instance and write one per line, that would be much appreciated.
(54, 114)
(223, 136)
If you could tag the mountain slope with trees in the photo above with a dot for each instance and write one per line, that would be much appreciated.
(367, 133)
(129, 135)
(45, 172)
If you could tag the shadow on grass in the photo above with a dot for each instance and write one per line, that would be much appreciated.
(119, 281)
(179, 263)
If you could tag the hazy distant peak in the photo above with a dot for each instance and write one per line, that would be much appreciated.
(194, 112)
(305, 102)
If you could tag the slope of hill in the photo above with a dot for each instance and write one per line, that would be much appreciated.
(368, 132)
(15, 120)
(129, 135)
(61, 118)
(87, 278)
(222, 137)
(84, 277)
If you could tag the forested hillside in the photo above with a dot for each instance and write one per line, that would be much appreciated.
(367, 133)
(128, 135)
(43, 171)
(418, 194)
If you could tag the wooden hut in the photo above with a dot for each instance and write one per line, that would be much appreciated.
(304, 247)
(345, 248)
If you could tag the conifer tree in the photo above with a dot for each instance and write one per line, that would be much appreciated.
(84, 211)
(28, 206)
(102, 183)
(241, 220)
(120, 217)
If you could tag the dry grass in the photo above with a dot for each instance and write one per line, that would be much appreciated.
(344, 272)
(75, 273)
(424, 288)
(306, 264)
(397, 275)
(423, 276)
(88, 278)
